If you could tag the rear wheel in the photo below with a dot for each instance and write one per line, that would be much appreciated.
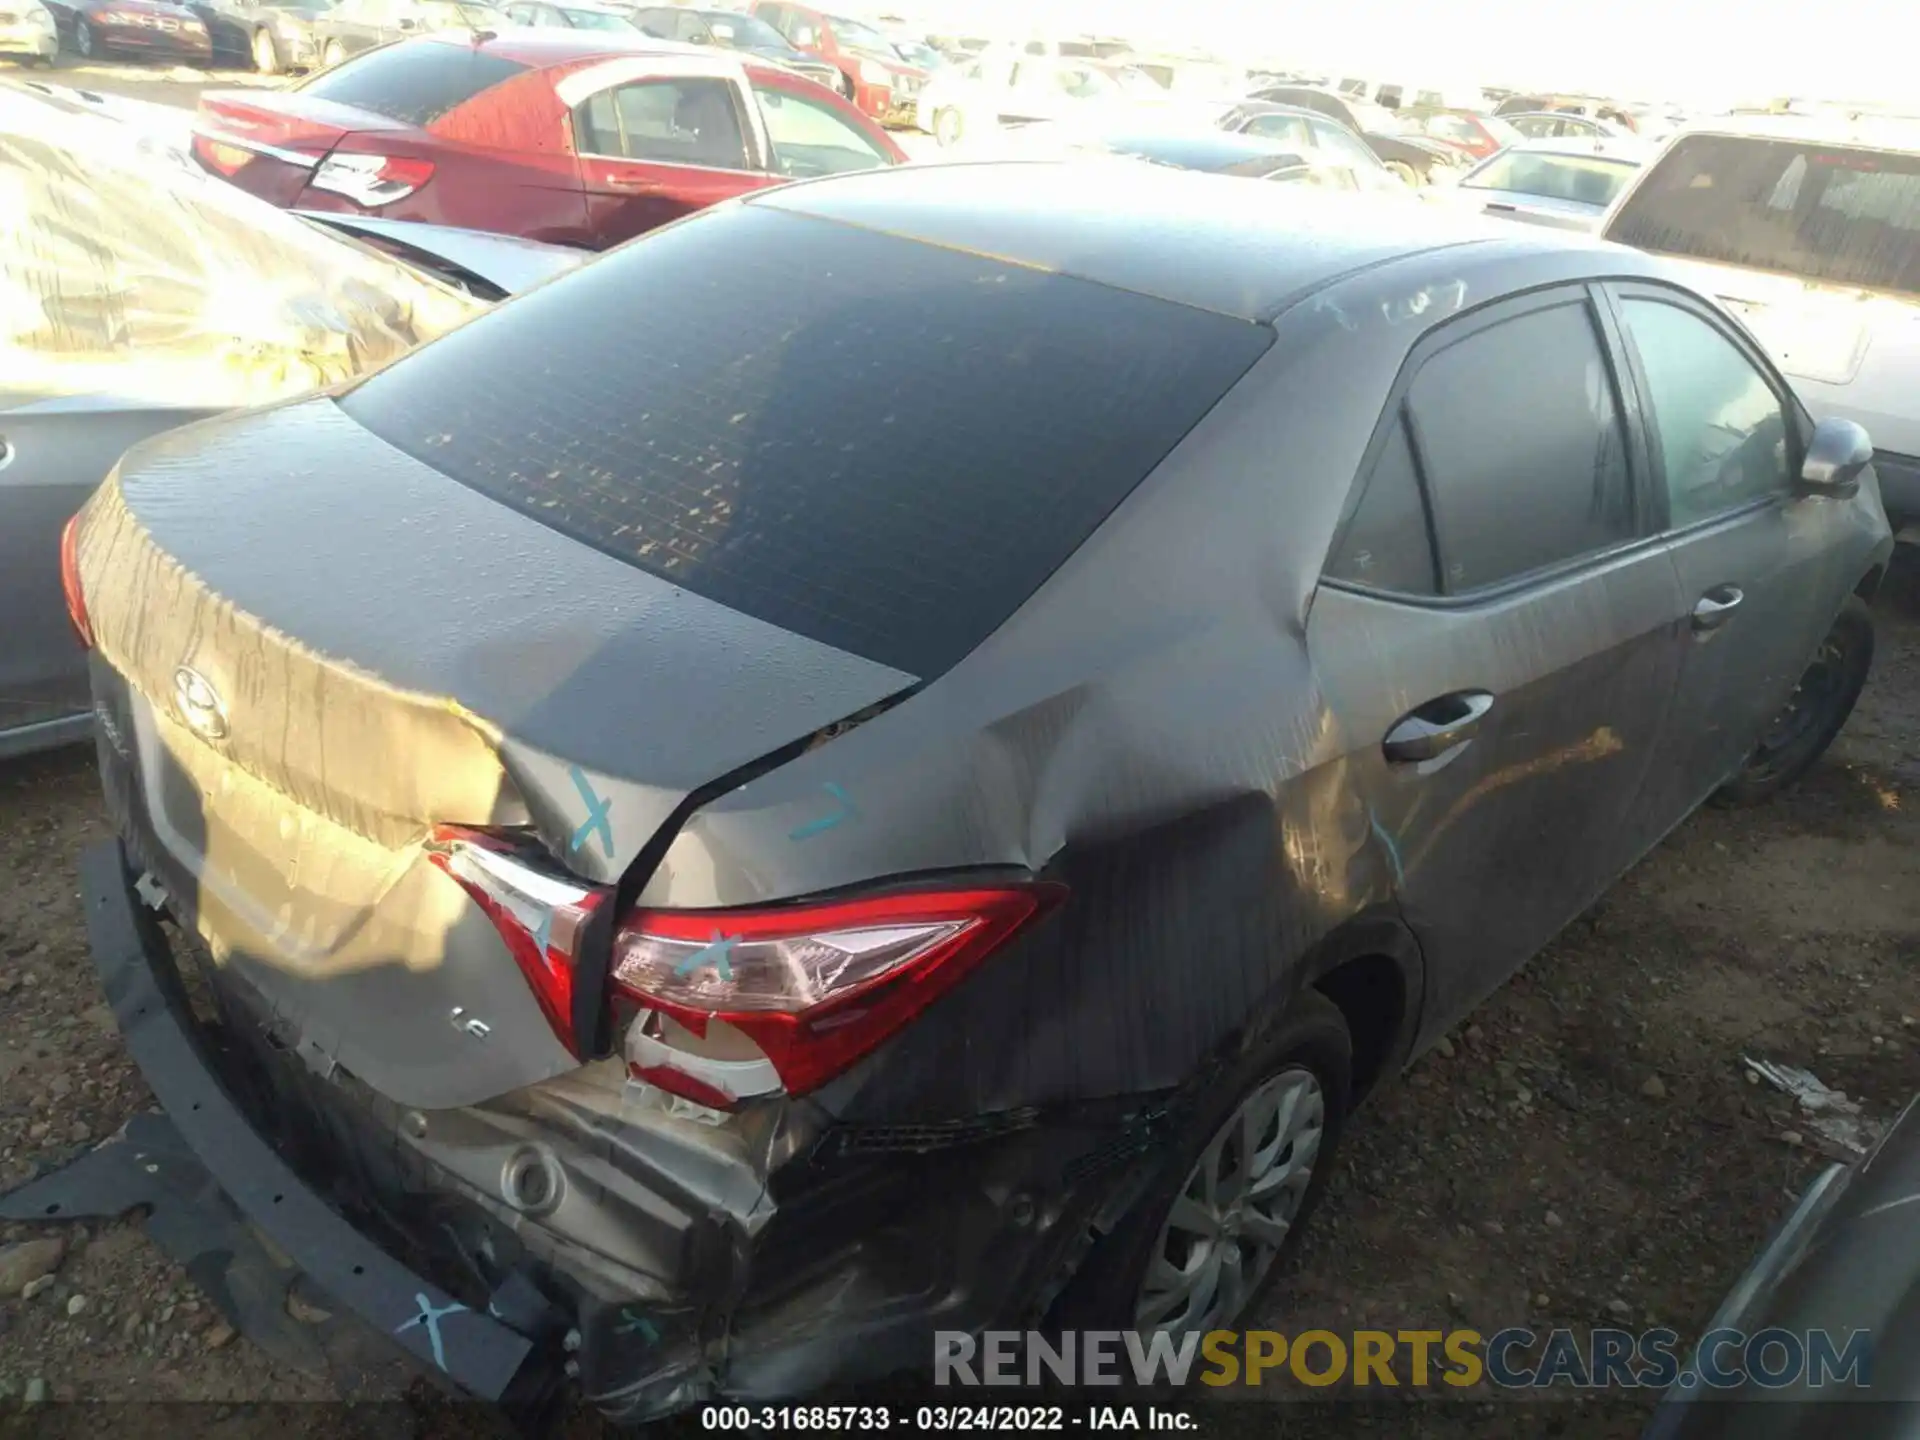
(266, 55)
(1405, 171)
(948, 127)
(1233, 1194)
(1814, 714)
(333, 54)
(83, 42)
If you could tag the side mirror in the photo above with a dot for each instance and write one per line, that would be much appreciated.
(1838, 454)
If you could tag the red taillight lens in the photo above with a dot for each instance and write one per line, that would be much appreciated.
(372, 180)
(541, 917)
(221, 159)
(70, 582)
(806, 989)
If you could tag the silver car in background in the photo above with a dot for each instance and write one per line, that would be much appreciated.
(141, 294)
(1565, 184)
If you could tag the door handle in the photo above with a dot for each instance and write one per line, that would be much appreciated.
(633, 186)
(1440, 725)
(1716, 607)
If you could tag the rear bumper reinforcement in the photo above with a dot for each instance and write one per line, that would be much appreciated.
(472, 1349)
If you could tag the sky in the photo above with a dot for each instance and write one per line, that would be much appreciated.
(1683, 50)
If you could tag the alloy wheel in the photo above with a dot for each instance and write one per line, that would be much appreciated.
(333, 54)
(83, 37)
(266, 59)
(1232, 1216)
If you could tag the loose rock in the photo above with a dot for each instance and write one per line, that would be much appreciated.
(220, 1336)
(28, 1261)
(1654, 1088)
(76, 1304)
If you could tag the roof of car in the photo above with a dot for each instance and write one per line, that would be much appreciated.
(1193, 149)
(1209, 241)
(1273, 107)
(1621, 148)
(542, 49)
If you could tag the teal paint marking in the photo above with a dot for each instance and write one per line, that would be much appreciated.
(819, 827)
(719, 954)
(599, 821)
(431, 1318)
(1392, 847)
(632, 1324)
(543, 936)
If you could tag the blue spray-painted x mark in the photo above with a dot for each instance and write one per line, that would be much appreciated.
(431, 1318)
(826, 823)
(1392, 847)
(718, 954)
(632, 1324)
(598, 820)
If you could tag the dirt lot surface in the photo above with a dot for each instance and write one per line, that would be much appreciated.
(1587, 1151)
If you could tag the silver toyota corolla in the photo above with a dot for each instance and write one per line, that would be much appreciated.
(896, 756)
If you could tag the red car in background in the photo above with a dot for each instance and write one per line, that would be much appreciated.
(572, 137)
(1466, 130)
(874, 75)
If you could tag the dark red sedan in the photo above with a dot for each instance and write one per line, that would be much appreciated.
(568, 136)
(1467, 130)
(94, 28)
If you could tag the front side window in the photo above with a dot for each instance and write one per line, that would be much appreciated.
(808, 138)
(677, 121)
(1721, 429)
(1519, 431)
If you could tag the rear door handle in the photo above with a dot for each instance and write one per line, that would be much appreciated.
(1716, 607)
(634, 186)
(1440, 725)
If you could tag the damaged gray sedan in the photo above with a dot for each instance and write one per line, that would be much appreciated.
(718, 827)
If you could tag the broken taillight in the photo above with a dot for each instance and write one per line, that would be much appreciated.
(734, 1003)
(371, 181)
(70, 582)
(541, 916)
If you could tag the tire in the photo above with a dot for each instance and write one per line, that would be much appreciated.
(333, 54)
(948, 126)
(266, 54)
(1406, 172)
(1110, 1291)
(1814, 715)
(83, 44)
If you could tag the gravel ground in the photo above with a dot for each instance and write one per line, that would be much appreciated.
(1586, 1151)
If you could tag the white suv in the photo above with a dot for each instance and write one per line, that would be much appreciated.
(1808, 229)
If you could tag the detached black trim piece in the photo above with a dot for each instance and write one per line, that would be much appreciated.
(472, 1349)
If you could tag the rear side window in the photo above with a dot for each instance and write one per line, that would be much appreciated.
(1525, 457)
(417, 83)
(1385, 544)
(882, 445)
(1825, 213)
(685, 121)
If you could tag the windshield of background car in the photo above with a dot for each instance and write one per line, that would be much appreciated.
(599, 20)
(1587, 179)
(856, 36)
(746, 31)
(417, 83)
(460, 17)
(1826, 213)
(888, 459)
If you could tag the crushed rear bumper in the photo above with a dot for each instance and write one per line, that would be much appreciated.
(473, 1350)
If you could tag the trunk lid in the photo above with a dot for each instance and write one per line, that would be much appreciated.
(269, 144)
(312, 649)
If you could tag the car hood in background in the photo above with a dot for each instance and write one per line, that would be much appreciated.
(506, 262)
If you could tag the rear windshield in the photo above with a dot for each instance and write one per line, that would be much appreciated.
(417, 81)
(879, 444)
(1587, 179)
(1826, 213)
